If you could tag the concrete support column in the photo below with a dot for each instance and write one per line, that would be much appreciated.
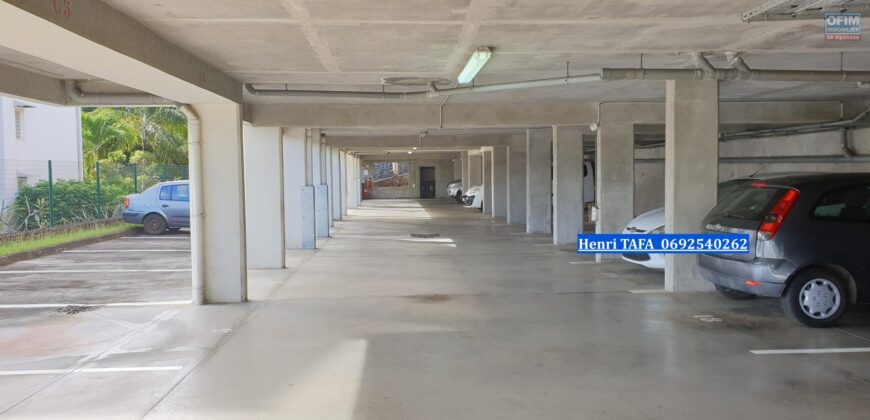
(344, 178)
(691, 170)
(327, 160)
(318, 181)
(457, 167)
(264, 196)
(298, 196)
(486, 170)
(222, 255)
(335, 182)
(464, 172)
(475, 169)
(354, 196)
(614, 180)
(538, 180)
(567, 184)
(499, 181)
(516, 188)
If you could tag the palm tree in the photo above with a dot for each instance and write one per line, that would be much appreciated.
(103, 132)
(161, 131)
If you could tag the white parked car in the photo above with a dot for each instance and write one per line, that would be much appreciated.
(473, 198)
(454, 189)
(653, 222)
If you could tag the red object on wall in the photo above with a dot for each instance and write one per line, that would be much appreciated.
(367, 186)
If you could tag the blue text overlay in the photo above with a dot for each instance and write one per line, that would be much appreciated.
(665, 243)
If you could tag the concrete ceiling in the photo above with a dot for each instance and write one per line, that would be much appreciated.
(353, 44)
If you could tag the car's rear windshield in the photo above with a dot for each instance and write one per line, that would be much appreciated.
(746, 204)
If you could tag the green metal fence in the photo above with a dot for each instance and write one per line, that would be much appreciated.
(41, 194)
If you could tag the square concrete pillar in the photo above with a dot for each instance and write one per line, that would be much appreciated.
(335, 182)
(298, 235)
(475, 169)
(457, 167)
(539, 180)
(498, 194)
(567, 184)
(330, 202)
(516, 172)
(344, 174)
(614, 177)
(222, 255)
(317, 151)
(486, 170)
(691, 170)
(464, 173)
(264, 196)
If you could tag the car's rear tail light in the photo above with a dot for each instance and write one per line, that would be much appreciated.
(126, 202)
(758, 184)
(751, 283)
(773, 220)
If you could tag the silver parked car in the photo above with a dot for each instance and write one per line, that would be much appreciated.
(165, 206)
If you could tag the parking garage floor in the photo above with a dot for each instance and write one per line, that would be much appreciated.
(425, 310)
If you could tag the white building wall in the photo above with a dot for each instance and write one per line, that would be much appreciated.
(48, 133)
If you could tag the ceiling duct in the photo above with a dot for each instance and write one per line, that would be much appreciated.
(804, 9)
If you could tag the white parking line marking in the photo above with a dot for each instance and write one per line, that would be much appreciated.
(518, 233)
(647, 291)
(158, 270)
(89, 370)
(543, 245)
(813, 351)
(63, 305)
(96, 251)
(583, 262)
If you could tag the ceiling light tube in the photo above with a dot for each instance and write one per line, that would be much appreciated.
(475, 63)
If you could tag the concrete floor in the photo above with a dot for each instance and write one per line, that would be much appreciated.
(481, 322)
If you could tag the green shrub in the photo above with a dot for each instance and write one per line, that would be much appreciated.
(73, 201)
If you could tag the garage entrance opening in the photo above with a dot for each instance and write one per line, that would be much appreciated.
(427, 182)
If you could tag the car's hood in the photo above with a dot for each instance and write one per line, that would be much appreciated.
(649, 220)
(473, 190)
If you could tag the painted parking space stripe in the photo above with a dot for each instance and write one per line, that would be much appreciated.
(90, 370)
(187, 238)
(647, 291)
(96, 251)
(582, 262)
(812, 351)
(110, 305)
(155, 270)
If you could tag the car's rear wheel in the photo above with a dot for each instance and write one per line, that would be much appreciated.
(154, 224)
(733, 294)
(816, 298)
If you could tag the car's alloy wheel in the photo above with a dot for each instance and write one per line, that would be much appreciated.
(816, 298)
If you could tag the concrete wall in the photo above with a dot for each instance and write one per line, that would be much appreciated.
(649, 177)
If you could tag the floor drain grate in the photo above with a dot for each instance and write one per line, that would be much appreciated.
(76, 309)
(426, 235)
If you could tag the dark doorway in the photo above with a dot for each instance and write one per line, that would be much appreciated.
(427, 182)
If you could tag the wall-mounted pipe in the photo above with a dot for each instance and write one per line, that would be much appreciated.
(856, 122)
(778, 159)
(197, 215)
(113, 99)
(733, 74)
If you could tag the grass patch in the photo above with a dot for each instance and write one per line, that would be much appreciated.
(35, 244)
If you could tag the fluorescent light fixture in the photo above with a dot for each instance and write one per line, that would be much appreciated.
(410, 152)
(478, 59)
(415, 147)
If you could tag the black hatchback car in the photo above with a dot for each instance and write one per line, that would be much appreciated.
(809, 244)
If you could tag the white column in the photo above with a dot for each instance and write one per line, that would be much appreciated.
(499, 181)
(487, 181)
(344, 180)
(318, 181)
(475, 169)
(327, 165)
(538, 180)
(264, 196)
(222, 257)
(614, 178)
(298, 206)
(516, 191)
(567, 184)
(335, 183)
(464, 173)
(691, 170)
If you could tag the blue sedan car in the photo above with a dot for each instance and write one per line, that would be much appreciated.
(165, 206)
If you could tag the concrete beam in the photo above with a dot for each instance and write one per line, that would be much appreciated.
(93, 38)
(23, 84)
(360, 143)
(729, 112)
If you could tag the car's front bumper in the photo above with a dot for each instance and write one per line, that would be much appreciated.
(656, 261)
(133, 217)
(771, 275)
